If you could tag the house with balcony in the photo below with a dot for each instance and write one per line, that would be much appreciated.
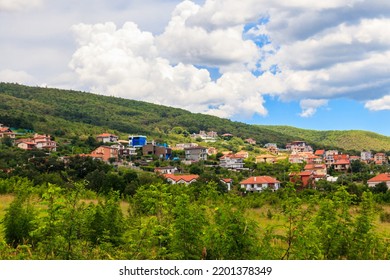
(380, 158)
(232, 161)
(341, 165)
(195, 153)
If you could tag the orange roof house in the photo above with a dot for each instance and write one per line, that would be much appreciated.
(181, 179)
(105, 153)
(6, 132)
(260, 183)
(383, 177)
(341, 165)
(305, 177)
(41, 142)
(319, 169)
(107, 137)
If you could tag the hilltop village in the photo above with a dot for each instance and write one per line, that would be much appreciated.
(254, 168)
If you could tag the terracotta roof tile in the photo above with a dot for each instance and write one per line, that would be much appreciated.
(259, 180)
(384, 177)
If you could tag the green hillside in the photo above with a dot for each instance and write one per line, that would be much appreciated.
(72, 113)
(67, 113)
(348, 139)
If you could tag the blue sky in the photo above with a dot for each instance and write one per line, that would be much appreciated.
(311, 64)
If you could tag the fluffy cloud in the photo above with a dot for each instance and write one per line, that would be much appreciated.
(310, 106)
(126, 62)
(18, 5)
(294, 50)
(181, 42)
(379, 104)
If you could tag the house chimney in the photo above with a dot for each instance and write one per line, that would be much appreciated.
(255, 179)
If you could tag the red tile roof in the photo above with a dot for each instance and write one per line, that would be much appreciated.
(106, 135)
(259, 180)
(342, 161)
(384, 177)
(179, 177)
(314, 166)
(319, 152)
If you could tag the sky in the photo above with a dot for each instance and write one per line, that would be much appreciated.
(320, 65)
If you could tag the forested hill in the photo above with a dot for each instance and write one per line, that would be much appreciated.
(347, 139)
(68, 113)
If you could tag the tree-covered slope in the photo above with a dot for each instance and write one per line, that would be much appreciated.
(71, 113)
(348, 139)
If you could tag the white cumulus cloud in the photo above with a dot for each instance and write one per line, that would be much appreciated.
(310, 106)
(292, 50)
(126, 62)
(379, 104)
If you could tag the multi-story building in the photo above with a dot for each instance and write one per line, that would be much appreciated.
(232, 161)
(196, 153)
(41, 142)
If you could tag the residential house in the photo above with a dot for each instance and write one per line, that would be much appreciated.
(250, 141)
(305, 177)
(105, 153)
(124, 150)
(354, 158)
(26, 145)
(266, 159)
(195, 153)
(107, 138)
(341, 165)
(320, 153)
(137, 141)
(166, 170)
(6, 132)
(272, 148)
(183, 146)
(41, 142)
(366, 156)
(160, 150)
(380, 158)
(228, 182)
(210, 136)
(330, 157)
(320, 170)
(260, 183)
(383, 177)
(299, 147)
(302, 157)
(243, 154)
(180, 178)
(232, 161)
